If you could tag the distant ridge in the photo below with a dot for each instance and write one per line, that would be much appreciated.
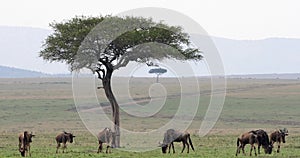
(19, 47)
(267, 76)
(10, 72)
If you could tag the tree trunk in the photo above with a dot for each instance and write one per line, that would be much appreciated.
(114, 106)
(157, 78)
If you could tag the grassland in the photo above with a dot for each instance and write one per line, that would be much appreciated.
(46, 107)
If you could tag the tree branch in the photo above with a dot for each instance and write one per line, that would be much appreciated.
(99, 71)
(123, 62)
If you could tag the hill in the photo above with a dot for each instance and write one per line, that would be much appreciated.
(19, 47)
(10, 72)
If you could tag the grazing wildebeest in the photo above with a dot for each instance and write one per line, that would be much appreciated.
(105, 136)
(263, 140)
(246, 138)
(64, 138)
(278, 136)
(175, 136)
(24, 142)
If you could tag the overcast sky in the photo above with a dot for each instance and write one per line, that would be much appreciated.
(235, 19)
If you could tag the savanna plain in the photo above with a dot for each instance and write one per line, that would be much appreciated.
(46, 107)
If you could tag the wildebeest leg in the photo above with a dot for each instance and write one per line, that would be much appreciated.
(64, 147)
(237, 150)
(58, 145)
(20, 146)
(107, 148)
(259, 148)
(254, 150)
(100, 147)
(188, 147)
(243, 149)
(272, 143)
(278, 149)
(29, 150)
(253, 147)
(251, 150)
(173, 147)
(183, 143)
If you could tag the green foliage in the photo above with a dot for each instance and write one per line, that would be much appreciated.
(63, 43)
(158, 71)
(115, 42)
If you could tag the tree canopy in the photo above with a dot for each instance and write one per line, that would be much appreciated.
(80, 38)
(157, 71)
(62, 45)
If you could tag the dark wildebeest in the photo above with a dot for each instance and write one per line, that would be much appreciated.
(263, 140)
(105, 136)
(246, 138)
(278, 136)
(175, 136)
(63, 138)
(24, 142)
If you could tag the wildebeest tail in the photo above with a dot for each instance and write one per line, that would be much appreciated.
(238, 142)
(190, 140)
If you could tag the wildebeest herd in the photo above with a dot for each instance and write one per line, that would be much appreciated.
(259, 137)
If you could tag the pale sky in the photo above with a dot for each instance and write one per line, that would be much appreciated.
(235, 19)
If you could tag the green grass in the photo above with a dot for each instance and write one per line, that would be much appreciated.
(85, 145)
(46, 107)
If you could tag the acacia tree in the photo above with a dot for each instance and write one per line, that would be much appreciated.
(81, 43)
(158, 72)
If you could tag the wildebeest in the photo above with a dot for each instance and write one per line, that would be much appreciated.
(24, 143)
(246, 138)
(175, 136)
(64, 138)
(263, 140)
(278, 136)
(105, 136)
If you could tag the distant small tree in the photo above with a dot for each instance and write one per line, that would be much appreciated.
(158, 72)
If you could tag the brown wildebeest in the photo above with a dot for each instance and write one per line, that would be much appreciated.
(24, 143)
(278, 136)
(175, 136)
(246, 138)
(105, 136)
(263, 140)
(64, 138)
